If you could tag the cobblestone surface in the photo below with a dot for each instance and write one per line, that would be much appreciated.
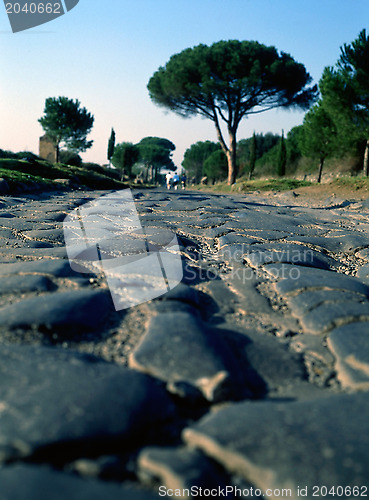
(252, 373)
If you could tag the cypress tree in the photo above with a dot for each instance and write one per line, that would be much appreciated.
(282, 157)
(252, 155)
(111, 145)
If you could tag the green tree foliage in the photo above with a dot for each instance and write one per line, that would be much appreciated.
(318, 136)
(282, 157)
(345, 95)
(70, 158)
(228, 81)
(293, 146)
(216, 166)
(156, 153)
(270, 159)
(195, 156)
(125, 156)
(111, 145)
(67, 124)
(263, 143)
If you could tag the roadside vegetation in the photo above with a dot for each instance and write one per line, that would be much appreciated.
(26, 172)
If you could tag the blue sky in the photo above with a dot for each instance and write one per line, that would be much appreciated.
(104, 52)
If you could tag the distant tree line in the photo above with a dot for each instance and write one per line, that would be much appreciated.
(149, 156)
(230, 80)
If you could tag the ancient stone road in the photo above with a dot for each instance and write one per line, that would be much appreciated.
(252, 373)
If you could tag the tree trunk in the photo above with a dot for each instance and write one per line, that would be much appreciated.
(229, 152)
(57, 152)
(320, 170)
(231, 158)
(366, 159)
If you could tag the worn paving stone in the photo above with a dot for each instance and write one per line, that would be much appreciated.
(215, 232)
(74, 402)
(29, 482)
(178, 349)
(204, 223)
(267, 235)
(52, 235)
(224, 299)
(328, 316)
(6, 233)
(252, 219)
(180, 468)
(307, 301)
(28, 283)
(252, 342)
(234, 253)
(363, 254)
(6, 215)
(232, 238)
(65, 314)
(57, 267)
(290, 445)
(243, 282)
(274, 364)
(295, 278)
(187, 204)
(10, 255)
(260, 255)
(182, 293)
(363, 272)
(342, 243)
(20, 225)
(350, 346)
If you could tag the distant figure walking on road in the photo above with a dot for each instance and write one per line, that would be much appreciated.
(168, 179)
(175, 180)
(183, 181)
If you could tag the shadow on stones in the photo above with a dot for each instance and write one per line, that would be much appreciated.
(250, 384)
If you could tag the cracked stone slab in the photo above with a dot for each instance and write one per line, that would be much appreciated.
(29, 482)
(295, 278)
(52, 397)
(287, 445)
(350, 346)
(180, 468)
(178, 349)
(65, 314)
